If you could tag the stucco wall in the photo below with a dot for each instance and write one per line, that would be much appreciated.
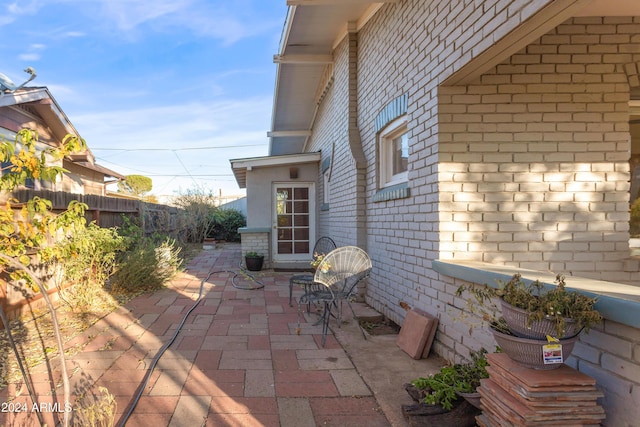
(260, 185)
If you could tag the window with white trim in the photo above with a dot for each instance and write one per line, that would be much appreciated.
(394, 153)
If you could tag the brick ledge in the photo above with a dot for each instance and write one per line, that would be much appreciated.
(616, 301)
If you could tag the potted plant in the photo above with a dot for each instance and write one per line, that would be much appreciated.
(448, 397)
(453, 382)
(541, 324)
(253, 261)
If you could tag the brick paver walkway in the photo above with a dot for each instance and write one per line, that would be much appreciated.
(237, 361)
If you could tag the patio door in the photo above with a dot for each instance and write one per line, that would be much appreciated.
(293, 221)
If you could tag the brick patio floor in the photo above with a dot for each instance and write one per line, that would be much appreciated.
(237, 361)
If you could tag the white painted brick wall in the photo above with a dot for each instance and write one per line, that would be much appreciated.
(256, 242)
(527, 166)
(570, 168)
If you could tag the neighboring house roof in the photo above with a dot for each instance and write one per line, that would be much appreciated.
(313, 29)
(101, 169)
(40, 101)
(241, 166)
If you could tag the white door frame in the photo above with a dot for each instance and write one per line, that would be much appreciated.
(287, 257)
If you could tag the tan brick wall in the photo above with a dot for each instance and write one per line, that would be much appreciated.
(534, 155)
(526, 166)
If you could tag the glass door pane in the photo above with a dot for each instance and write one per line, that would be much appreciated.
(292, 217)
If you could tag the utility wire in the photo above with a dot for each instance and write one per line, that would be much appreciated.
(185, 168)
(176, 149)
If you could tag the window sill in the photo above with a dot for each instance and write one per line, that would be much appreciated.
(398, 191)
(616, 301)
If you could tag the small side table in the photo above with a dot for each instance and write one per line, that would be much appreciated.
(303, 280)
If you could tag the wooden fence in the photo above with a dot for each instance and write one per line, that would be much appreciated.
(107, 212)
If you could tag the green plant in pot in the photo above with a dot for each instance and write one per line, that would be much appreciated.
(253, 261)
(446, 387)
(539, 326)
(532, 311)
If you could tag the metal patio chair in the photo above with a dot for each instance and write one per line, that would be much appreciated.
(323, 246)
(336, 280)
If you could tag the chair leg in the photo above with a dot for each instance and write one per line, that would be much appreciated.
(325, 324)
(298, 329)
(290, 293)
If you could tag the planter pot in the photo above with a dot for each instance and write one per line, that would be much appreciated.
(472, 398)
(254, 263)
(463, 414)
(517, 319)
(532, 353)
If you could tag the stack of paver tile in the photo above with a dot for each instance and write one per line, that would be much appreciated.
(517, 396)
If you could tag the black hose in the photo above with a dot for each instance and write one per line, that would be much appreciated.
(20, 365)
(164, 348)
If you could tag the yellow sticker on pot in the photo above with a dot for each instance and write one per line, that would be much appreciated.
(552, 354)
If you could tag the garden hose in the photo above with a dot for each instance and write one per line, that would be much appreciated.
(164, 348)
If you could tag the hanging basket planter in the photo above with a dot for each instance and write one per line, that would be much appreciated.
(535, 354)
(519, 324)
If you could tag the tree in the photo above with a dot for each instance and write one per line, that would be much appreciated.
(136, 185)
(33, 228)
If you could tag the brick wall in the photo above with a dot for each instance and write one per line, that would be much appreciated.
(331, 137)
(256, 242)
(609, 353)
(526, 166)
(534, 155)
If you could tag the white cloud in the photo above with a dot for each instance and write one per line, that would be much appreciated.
(227, 21)
(29, 57)
(128, 14)
(33, 52)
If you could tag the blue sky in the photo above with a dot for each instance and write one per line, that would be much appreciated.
(145, 82)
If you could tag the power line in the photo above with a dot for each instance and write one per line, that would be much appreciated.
(177, 149)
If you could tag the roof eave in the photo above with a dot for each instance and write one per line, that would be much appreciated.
(241, 166)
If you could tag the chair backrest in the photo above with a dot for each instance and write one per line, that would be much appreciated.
(323, 246)
(342, 268)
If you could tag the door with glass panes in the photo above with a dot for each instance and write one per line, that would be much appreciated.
(293, 221)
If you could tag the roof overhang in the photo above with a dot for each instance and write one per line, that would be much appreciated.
(41, 100)
(241, 166)
(100, 169)
(312, 30)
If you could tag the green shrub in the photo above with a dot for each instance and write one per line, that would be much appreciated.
(634, 224)
(196, 207)
(146, 266)
(225, 224)
(88, 259)
(90, 254)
